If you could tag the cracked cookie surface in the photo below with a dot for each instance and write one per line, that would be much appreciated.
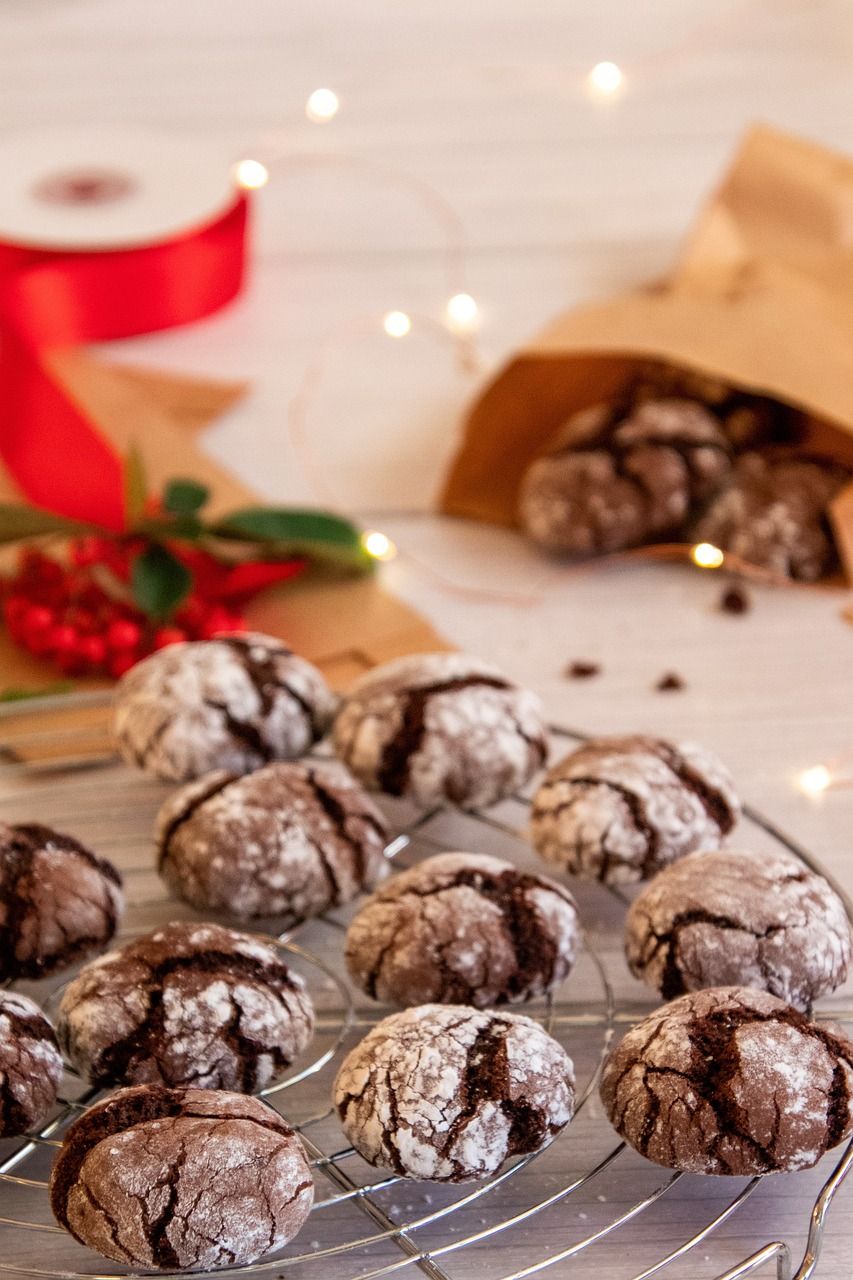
(189, 1004)
(618, 809)
(58, 901)
(463, 928)
(775, 513)
(447, 1093)
(746, 418)
(30, 1065)
(621, 474)
(235, 702)
(730, 1081)
(175, 1178)
(754, 920)
(440, 727)
(289, 840)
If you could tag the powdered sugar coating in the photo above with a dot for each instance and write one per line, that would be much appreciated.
(463, 928)
(58, 900)
(721, 918)
(177, 1178)
(618, 809)
(730, 1081)
(288, 840)
(233, 703)
(187, 1004)
(440, 727)
(774, 513)
(619, 474)
(30, 1065)
(448, 1093)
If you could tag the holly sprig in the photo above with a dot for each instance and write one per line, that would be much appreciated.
(156, 525)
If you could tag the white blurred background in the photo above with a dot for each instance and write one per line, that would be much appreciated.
(561, 192)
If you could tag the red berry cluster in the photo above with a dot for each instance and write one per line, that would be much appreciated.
(60, 612)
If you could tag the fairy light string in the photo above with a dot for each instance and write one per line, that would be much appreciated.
(460, 324)
(605, 82)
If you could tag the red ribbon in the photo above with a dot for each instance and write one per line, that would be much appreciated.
(54, 299)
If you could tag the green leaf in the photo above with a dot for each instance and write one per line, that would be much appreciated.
(184, 497)
(18, 522)
(159, 582)
(135, 486)
(292, 531)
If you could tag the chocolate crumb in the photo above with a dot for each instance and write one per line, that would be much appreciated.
(669, 682)
(582, 670)
(735, 600)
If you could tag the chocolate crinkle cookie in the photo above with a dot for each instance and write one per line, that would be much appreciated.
(58, 901)
(463, 928)
(721, 918)
(620, 475)
(448, 1093)
(730, 1081)
(30, 1065)
(190, 1004)
(747, 419)
(235, 702)
(440, 727)
(176, 1178)
(289, 840)
(775, 513)
(618, 809)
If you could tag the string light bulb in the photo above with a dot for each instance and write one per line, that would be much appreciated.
(462, 313)
(816, 780)
(707, 556)
(322, 106)
(378, 545)
(605, 79)
(251, 174)
(396, 324)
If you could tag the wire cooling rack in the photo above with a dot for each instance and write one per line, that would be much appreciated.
(586, 1206)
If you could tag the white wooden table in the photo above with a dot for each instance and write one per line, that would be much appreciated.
(562, 197)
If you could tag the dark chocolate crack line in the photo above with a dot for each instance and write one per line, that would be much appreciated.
(339, 816)
(713, 1039)
(20, 847)
(267, 679)
(713, 802)
(215, 787)
(534, 947)
(395, 763)
(149, 1037)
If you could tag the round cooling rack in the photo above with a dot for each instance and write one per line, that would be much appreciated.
(585, 1207)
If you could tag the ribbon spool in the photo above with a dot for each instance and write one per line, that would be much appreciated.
(105, 236)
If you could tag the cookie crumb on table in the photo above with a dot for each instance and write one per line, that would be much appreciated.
(581, 670)
(735, 600)
(670, 681)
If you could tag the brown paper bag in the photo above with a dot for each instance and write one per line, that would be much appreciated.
(761, 297)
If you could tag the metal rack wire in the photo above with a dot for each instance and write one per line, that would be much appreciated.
(496, 1229)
